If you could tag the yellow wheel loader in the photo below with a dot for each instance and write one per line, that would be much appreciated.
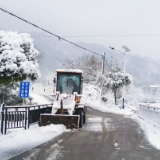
(67, 107)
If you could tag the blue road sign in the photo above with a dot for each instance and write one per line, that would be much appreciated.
(24, 90)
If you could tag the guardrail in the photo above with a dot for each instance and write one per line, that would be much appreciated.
(150, 114)
(21, 116)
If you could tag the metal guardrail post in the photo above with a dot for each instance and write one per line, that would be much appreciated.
(39, 111)
(28, 116)
(150, 114)
(25, 120)
(2, 118)
(5, 122)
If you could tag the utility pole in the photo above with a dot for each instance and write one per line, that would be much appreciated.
(103, 63)
(103, 67)
(123, 89)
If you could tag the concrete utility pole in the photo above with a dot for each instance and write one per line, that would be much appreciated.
(103, 63)
(103, 67)
(126, 50)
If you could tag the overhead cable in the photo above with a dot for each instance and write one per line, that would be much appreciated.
(110, 35)
(59, 37)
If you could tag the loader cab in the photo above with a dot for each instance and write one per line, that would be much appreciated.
(69, 81)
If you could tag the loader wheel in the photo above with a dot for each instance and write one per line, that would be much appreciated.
(81, 114)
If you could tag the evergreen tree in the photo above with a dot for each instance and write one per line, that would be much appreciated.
(17, 57)
(114, 80)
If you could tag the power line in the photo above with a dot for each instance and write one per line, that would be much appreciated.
(59, 37)
(110, 35)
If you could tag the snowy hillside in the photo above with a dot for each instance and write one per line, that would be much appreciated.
(52, 52)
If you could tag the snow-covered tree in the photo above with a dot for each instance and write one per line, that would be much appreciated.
(90, 66)
(17, 57)
(114, 80)
(9, 94)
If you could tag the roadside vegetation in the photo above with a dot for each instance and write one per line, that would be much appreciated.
(110, 83)
(18, 62)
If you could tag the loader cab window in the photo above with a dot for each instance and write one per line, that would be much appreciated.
(68, 83)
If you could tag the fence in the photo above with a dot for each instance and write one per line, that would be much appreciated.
(21, 116)
(150, 114)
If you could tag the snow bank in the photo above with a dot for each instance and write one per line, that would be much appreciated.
(151, 132)
(19, 140)
(91, 96)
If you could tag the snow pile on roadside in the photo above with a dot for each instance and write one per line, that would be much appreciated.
(152, 133)
(111, 109)
(91, 96)
(19, 140)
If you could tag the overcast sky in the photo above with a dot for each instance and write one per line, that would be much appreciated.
(92, 17)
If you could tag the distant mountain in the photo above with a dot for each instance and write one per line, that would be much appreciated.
(145, 71)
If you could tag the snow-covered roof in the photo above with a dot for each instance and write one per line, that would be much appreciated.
(152, 86)
(69, 70)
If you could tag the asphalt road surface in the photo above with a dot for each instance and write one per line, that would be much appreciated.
(105, 136)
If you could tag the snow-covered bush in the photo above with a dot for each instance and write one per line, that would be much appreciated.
(17, 57)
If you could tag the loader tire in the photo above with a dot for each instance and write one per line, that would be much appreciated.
(81, 114)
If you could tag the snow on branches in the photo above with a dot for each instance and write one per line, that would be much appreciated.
(114, 80)
(17, 57)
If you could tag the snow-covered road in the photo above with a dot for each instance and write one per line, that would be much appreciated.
(104, 136)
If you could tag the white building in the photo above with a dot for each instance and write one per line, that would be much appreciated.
(152, 90)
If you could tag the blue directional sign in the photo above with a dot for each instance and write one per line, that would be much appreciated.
(24, 90)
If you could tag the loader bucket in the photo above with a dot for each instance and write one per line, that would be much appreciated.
(70, 121)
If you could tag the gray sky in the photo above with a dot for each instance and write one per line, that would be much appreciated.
(92, 17)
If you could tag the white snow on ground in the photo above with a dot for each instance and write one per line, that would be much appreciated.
(94, 124)
(39, 88)
(111, 108)
(152, 133)
(96, 127)
(94, 119)
(38, 99)
(19, 140)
